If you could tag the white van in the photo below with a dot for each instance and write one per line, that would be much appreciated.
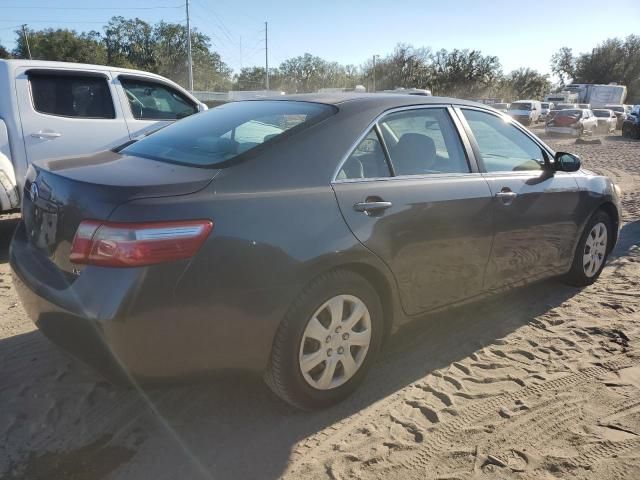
(526, 111)
(57, 109)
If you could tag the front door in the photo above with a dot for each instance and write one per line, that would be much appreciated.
(535, 210)
(409, 193)
(68, 113)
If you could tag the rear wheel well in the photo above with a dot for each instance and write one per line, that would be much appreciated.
(381, 286)
(610, 209)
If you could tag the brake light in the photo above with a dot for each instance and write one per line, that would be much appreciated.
(114, 244)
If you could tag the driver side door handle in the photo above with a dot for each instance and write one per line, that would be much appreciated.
(506, 196)
(46, 135)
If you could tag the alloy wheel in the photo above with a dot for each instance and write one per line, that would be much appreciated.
(335, 342)
(595, 249)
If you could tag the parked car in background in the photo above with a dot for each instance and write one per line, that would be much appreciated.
(545, 108)
(566, 106)
(503, 107)
(584, 105)
(606, 119)
(574, 122)
(621, 112)
(57, 109)
(295, 254)
(551, 114)
(631, 124)
(525, 111)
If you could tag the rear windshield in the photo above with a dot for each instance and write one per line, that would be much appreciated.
(601, 113)
(570, 113)
(224, 132)
(520, 106)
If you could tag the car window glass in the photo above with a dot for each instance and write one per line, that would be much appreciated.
(366, 161)
(72, 96)
(503, 147)
(154, 101)
(423, 141)
(223, 133)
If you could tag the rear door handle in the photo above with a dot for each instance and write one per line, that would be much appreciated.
(47, 135)
(371, 206)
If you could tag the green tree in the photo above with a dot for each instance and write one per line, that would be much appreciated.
(130, 43)
(251, 78)
(526, 83)
(614, 60)
(61, 45)
(465, 73)
(563, 65)
(4, 53)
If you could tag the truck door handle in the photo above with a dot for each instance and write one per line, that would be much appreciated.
(367, 207)
(46, 135)
(506, 195)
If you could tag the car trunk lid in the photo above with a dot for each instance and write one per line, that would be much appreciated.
(59, 194)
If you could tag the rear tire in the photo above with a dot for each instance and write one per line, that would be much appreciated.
(318, 358)
(592, 251)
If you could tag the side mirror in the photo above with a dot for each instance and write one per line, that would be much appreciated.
(202, 107)
(566, 162)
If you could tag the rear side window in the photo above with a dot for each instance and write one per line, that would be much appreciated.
(366, 161)
(72, 96)
(154, 101)
(224, 132)
(423, 141)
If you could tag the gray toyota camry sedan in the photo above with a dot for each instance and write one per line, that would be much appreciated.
(291, 236)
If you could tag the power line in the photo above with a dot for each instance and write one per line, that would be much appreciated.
(89, 8)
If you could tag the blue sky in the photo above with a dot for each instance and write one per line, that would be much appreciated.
(521, 34)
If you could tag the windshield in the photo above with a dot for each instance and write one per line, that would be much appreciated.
(602, 113)
(520, 106)
(617, 109)
(544, 105)
(224, 132)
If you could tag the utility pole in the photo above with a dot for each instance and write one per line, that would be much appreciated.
(26, 39)
(266, 55)
(190, 59)
(374, 73)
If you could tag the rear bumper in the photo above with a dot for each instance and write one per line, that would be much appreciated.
(135, 327)
(563, 131)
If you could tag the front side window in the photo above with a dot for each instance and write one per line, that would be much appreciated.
(503, 147)
(154, 101)
(366, 161)
(224, 132)
(423, 141)
(72, 96)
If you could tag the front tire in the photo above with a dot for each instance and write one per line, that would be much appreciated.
(592, 251)
(327, 341)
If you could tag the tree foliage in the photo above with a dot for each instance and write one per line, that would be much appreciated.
(614, 60)
(526, 83)
(133, 43)
(4, 53)
(563, 65)
(61, 44)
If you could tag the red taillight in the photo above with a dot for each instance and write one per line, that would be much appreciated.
(113, 244)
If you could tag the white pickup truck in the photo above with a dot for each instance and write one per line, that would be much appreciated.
(56, 109)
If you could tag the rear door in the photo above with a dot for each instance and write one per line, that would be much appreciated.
(410, 194)
(68, 112)
(534, 209)
(149, 104)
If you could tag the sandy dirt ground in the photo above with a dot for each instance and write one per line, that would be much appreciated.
(539, 383)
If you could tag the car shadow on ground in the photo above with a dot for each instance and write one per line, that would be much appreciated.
(8, 224)
(69, 421)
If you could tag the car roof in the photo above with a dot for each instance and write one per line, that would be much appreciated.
(387, 100)
(72, 65)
